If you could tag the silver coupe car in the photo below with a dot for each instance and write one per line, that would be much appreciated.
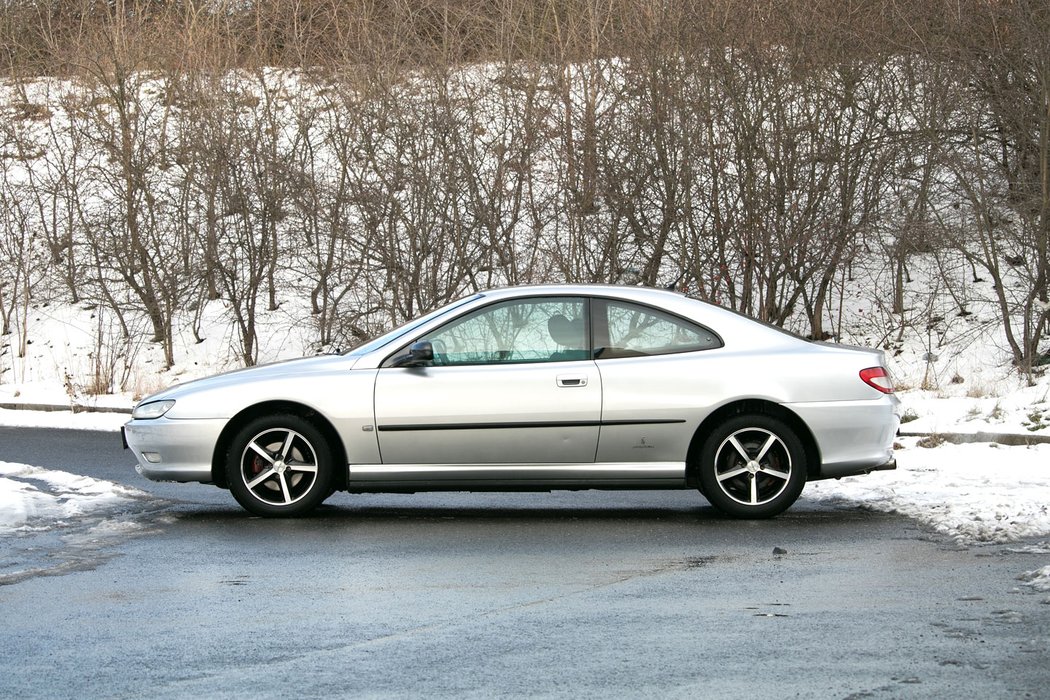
(536, 388)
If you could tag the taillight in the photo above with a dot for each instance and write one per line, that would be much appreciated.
(877, 378)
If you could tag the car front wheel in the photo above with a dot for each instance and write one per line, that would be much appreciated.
(279, 466)
(752, 466)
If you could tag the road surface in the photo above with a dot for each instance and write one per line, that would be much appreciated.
(588, 594)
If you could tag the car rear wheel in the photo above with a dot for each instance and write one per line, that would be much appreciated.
(752, 466)
(279, 466)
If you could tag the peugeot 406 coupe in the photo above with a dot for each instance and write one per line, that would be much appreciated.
(536, 388)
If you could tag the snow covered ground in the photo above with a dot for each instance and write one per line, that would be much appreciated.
(973, 493)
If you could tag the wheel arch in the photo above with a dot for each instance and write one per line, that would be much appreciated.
(748, 407)
(269, 408)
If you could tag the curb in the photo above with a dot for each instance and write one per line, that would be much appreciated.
(54, 407)
(1011, 439)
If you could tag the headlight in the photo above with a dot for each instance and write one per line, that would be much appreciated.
(153, 409)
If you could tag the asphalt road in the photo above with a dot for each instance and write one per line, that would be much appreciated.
(585, 594)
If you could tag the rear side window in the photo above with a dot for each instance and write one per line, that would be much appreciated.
(632, 330)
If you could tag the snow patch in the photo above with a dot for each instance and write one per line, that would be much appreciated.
(1038, 580)
(973, 493)
(35, 499)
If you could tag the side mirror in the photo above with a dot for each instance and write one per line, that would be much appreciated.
(419, 355)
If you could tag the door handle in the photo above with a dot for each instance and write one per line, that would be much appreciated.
(570, 380)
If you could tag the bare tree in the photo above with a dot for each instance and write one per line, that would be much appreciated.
(1001, 165)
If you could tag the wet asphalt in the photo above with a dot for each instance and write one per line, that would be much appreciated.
(588, 594)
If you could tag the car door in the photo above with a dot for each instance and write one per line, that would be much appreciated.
(510, 383)
(654, 375)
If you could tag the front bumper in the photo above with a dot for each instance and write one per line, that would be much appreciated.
(173, 449)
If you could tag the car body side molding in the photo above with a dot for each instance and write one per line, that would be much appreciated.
(522, 424)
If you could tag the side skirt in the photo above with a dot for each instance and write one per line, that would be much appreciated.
(378, 478)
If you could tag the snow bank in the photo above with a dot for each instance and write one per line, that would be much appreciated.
(975, 493)
(33, 499)
(63, 420)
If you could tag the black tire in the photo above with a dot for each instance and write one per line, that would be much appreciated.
(280, 466)
(765, 483)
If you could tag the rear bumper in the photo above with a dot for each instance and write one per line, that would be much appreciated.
(889, 465)
(853, 437)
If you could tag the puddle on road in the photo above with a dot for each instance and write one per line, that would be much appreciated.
(75, 544)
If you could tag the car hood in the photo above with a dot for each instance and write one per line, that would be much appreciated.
(277, 370)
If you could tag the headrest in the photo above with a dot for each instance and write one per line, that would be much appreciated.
(565, 332)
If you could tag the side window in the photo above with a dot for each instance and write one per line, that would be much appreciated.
(544, 329)
(637, 331)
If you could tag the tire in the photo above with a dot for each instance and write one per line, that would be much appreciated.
(280, 466)
(752, 466)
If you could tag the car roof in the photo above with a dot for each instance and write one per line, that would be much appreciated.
(722, 319)
(611, 290)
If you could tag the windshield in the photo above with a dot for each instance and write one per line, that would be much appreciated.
(407, 327)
